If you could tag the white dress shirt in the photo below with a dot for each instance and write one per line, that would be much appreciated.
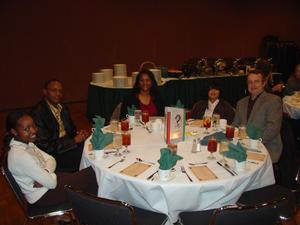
(211, 108)
(29, 164)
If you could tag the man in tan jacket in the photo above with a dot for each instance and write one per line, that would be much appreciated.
(264, 111)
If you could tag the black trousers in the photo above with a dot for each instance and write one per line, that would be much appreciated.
(84, 180)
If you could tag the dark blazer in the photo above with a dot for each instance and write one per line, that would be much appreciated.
(223, 108)
(48, 129)
(266, 115)
(132, 99)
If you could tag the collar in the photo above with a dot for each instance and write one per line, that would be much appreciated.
(54, 108)
(21, 144)
(250, 99)
(210, 104)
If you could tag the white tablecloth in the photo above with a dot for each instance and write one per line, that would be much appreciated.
(291, 105)
(179, 194)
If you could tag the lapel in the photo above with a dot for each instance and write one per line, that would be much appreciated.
(51, 119)
(256, 106)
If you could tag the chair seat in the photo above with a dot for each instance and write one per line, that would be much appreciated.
(269, 193)
(145, 217)
(36, 211)
(196, 218)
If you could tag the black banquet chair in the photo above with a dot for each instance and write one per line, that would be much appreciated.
(258, 214)
(33, 212)
(92, 210)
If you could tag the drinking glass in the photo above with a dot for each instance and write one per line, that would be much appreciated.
(124, 125)
(223, 148)
(145, 117)
(212, 147)
(137, 116)
(242, 132)
(126, 141)
(187, 114)
(216, 121)
(229, 132)
(206, 123)
(114, 125)
(117, 144)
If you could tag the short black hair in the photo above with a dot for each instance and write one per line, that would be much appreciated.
(50, 81)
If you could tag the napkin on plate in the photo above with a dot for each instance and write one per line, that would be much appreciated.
(237, 152)
(218, 136)
(167, 159)
(179, 104)
(253, 132)
(99, 140)
(130, 110)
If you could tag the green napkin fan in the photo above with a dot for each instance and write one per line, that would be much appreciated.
(99, 140)
(219, 136)
(168, 159)
(253, 132)
(178, 104)
(130, 110)
(237, 152)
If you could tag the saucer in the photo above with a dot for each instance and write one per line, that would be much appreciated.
(156, 177)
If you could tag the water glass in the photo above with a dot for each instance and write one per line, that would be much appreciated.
(117, 143)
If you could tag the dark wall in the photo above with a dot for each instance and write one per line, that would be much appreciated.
(69, 40)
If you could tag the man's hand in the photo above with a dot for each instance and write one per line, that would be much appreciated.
(81, 136)
(278, 88)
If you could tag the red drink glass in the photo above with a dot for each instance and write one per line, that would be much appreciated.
(206, 123)
(212, 147)
(145, 117)
(187, 114)
(126, 141)
(125, 125)
(229, 132)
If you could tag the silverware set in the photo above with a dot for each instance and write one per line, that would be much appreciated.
(121, 160)
(227, 168)
(141, 160)
(184, 171)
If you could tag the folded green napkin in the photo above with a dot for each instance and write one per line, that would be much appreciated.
(219, 136)
(167, 159)
(237, 152)
(179, 104)
(130, 110)
(254, 132)
(100, 140)
(99, 121)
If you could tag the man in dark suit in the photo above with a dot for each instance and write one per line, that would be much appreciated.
(214, 105)
(263, 110)
(57, 134)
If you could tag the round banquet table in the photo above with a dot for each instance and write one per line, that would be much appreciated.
(179, 194)
(291, 105)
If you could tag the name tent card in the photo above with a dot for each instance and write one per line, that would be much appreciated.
(174, 125)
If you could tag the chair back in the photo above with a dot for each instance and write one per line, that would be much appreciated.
(93, 210)
(259, 214)
(13, 184)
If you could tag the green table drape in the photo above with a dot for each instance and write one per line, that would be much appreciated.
(102, 100)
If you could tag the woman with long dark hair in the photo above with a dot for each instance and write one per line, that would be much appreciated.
(34, 169)
(145, 95)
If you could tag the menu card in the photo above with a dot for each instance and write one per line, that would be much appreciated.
(135, 169)
(203, 173)
(255, 156)
(174, 125)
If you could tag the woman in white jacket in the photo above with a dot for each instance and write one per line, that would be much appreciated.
(34, 170)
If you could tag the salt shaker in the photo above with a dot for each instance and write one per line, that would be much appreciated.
(194, 146)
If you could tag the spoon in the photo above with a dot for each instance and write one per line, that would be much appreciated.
(200, 163)
(121, 160)
(141, 160)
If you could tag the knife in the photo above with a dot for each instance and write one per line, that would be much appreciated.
(148, 178)
(229, 171)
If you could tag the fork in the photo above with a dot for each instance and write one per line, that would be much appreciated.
(141, 160)
(184, 171)
(121, 160)
(226, 165)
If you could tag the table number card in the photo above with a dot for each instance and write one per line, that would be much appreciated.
(174, 125)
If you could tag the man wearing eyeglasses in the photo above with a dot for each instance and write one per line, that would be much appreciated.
(264, 111)
(57, 134)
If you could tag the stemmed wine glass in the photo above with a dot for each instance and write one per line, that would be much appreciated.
(117, 144)
(126, 141)
(212, 147)
(206, 123)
